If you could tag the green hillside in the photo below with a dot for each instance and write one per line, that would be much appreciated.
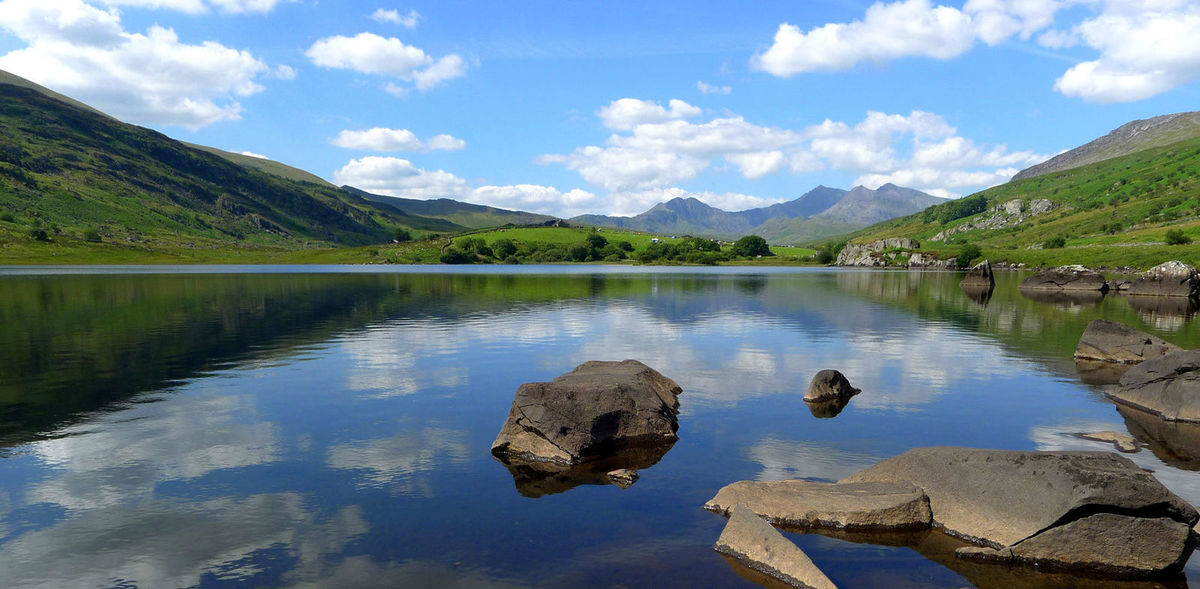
(71, 174)
(263, 164)
(468, 215)
(1115, 212)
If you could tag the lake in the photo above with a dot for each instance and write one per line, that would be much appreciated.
(331, 426)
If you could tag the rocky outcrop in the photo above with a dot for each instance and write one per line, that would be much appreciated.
(761, 547)
(871, 254)
(1171, 279)
(929, 263)
(1007, 214)
(1064, 510)
(589, 412)
(1168, 386)
(1065, 278)
(1107, 341)
(979, 278)
(849, 506)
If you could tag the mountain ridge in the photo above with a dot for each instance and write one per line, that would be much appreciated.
(1129, 138)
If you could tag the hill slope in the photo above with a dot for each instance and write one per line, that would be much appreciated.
(468, 215)
(821, 212)
(69, 170)
(1124, 140)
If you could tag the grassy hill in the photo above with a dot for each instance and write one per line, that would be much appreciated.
(71, 174)
(1116, 212)
(1124, 140)
(468, 215)
(263, 165)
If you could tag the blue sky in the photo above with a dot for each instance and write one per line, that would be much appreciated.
(611, 107)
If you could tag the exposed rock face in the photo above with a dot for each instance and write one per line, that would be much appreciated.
(849, 506)
(1065, 278)
(1168, 386)
(1006, 214)
(761, 547)
(1056, 509)
(920, 261)
(869, 255)
(979, 277)
(1172, 279)
(590, 411)
(829, 385)
(1107, 341)
(1038, 206)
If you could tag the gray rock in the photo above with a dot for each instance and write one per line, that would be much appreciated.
(1171, 279)
(921, 261)
(588, 412)
(1107, 341)
(857, 254)
(1038, 206)
(849, 506)
(829, 385)
(1065, 278)
(1168, 386)
(979, 277)
(761, 547)
(1005, 499)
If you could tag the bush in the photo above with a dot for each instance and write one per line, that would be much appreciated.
(1176, 237)
(456, 256)
(39, 234)
(1054, 243)
(969, 253)
(626, 246)
(91, 235)
(596, 240)
(503, 248)
(8, 218)
(751, 246)
(401, 235)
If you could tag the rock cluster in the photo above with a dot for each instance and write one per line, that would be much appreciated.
(1007, 214)
(867, 255)
(1106, 341)
(1065, 278)
(917, 260)
(1171, 279)
(1089, 512)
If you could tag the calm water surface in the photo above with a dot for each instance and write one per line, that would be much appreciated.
(330, 427)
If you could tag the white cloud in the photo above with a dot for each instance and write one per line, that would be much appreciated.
(627, 113)
(708, 89)
(399, 177)
(285, 72)
(257, 155)
(378, 139)
(755, 165)
(1145, 48)
(200, 6)
(445, 142)
(369, 53)
(150, 78)
(408, 21)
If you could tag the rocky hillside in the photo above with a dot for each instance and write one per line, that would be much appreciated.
(1126, 139)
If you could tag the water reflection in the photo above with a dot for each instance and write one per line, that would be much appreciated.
(536, 479)
(1165, 313)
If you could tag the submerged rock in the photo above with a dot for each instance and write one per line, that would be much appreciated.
(1107, 341)
(1121, 442)
(761, 547)
(1064, 510)
(807, 504)
(591, 411)
(1168, 386)
(979, 277)
(1171, 279)
(1065, 278)
(829, 385)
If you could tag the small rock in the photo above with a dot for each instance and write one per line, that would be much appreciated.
(1168, 386)
(1171, 279)
(1121, 441)
(1107, 341)
(761, 547)
(1065, 278)
(807, 504)
(623, 478)
(828, 385)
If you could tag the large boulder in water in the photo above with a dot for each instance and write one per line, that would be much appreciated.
(829, 385)
(1172, 279)
(1078, 511)
(761, 547)
(979, 278)
(809, 504)
(1065, 278)
(589, 412)
(1107, 341)
(1168, 386)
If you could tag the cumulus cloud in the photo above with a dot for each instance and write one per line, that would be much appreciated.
(1144, 48)
(368, 53)
(383, 139)
(200, 6)
(150, 78)
(408, 21)
(394, 176)
(445, 142)
(627, 113)
(920, 147)
(710, 89)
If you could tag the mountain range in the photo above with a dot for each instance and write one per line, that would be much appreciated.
(820, 212)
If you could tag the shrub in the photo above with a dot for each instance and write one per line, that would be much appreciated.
(503, 248)
(1176, 237)
(401, 235)
(1054, 243)
(39, 234)
(91, 235)
(8, 218)
(596, 240)
(625, 245)
(968, 254)
(456, 256)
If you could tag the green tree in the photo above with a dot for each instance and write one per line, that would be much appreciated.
(1177, 237)
(751, 246)
(968, 254)
(503, 248)
(625, 245)
(454, 255)
(596, 240)
(401, 235)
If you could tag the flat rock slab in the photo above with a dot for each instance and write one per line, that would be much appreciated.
(756, 544)
(807, 504)
(588, 412)
(1107, 341)
(1122, 442)
(1171, 279)
(1168, 386)
(1003, 498)
(1065, 278)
